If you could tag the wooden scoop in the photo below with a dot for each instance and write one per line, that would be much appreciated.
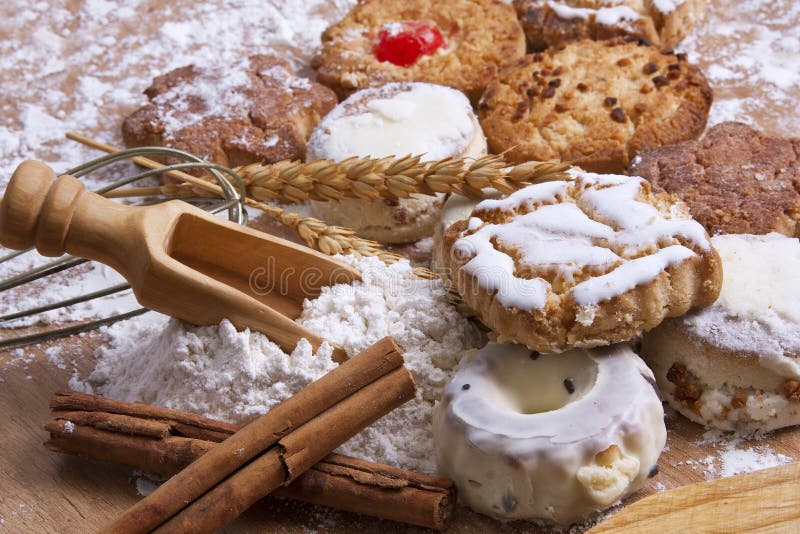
(178, 259)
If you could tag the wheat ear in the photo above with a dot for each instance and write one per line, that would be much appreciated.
(392, 178)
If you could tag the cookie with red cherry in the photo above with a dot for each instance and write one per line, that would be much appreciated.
(458, 43)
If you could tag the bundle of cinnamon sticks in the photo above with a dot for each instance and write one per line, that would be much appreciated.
(165, 441)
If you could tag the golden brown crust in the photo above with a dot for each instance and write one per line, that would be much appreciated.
(482, 36)
(273, 117)
(694, 282)
(594, 103)
(735, 180)
(547, 23)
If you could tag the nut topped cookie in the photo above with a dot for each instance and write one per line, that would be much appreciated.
(594, 103)
(259, 111)
(581, 263)
(458, 43)
(734, 180)
(661, 22)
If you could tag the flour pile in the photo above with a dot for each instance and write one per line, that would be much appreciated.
(235, 376)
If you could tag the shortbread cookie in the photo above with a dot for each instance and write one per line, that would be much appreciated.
(581, 263)
(595, 104)
(736, 364)
(458, 43)
(398, 119)
(735, 180)
(527, 435)
(259, 111)
(661, 22)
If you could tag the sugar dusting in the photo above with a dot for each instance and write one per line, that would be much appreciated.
(734, 454)
(746, 45)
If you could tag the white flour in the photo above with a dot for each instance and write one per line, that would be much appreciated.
(235, 376)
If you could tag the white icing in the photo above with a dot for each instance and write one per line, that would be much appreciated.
(667, 6)
(397, 119)
(606, 16)
(759, 306)
(762, 277)
(614, 16)
(561, 228)
(629, 275)
(516, 436)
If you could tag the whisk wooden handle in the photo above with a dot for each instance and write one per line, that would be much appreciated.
(38, 210)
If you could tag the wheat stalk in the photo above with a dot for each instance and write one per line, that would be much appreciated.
(370, 179)
(392, 178)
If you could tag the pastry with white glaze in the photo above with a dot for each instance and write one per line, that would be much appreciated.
(527, 435)
(581, 263)
(397, 119)
(736, 364)
(456, 208)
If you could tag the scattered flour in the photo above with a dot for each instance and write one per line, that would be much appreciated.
(235, 376)
(735, 454)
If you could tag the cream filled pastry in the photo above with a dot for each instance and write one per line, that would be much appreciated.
(398, 119)
(736, 364)
(581, 263)
(527, 435)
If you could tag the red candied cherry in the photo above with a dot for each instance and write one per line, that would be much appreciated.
(403, 43)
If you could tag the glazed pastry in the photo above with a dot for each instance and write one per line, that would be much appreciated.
(458, 43)
(581, 263)
(399, 119)
(736, 364)
(661, 22)
(595, 104)
(456, 208)
(259, 111)
(527, 435)
(735, 180)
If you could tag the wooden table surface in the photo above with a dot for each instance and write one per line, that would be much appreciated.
(41, 491)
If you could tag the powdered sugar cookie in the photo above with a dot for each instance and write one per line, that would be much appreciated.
(581, 263)
(661, 22)
(595, 104)
(396, 119)
(458, 43)
(556, 437)
(259, 111)
(736, 364)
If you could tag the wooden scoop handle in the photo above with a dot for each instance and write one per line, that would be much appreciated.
(40, 209)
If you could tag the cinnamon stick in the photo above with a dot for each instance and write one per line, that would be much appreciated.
(276, 447)
(337, 481)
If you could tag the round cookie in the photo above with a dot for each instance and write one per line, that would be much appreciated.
(556, 437)
(594, 103)
(258, 111)
(735, 180)
(581, 263)
(661, 22)
(736, 364)
(479, 37)
(395, 119)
